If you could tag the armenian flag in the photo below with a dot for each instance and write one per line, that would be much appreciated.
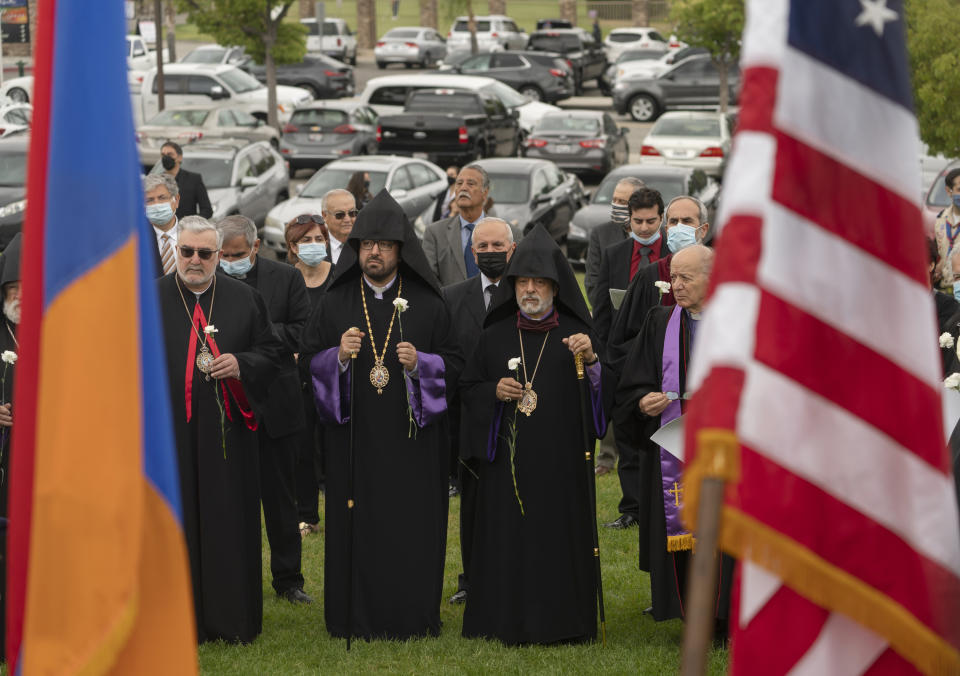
(98, 572)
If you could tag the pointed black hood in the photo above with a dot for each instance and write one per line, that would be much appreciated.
(537, 255)
(383, 218)
(10, 261)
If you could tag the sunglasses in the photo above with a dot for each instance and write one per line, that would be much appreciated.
(340, 214)
(308, 218)
(188, 251)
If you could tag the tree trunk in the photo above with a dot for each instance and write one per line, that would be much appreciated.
(171, 22)
(366, 24)
(307, 9)
(498, 6)
(723, 69)
(269, 40)
(568, 11)
(428, 13)
(472, 27)
(640, 15)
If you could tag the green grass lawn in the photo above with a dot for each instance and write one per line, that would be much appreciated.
(295, 641)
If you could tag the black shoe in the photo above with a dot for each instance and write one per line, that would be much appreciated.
(648, 611)
(459, 597)
(454, 491)
(625, 521)
(295, 595)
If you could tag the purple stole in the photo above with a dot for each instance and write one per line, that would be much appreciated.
(671, 467)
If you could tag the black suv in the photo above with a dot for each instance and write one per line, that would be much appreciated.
(542, 76)
(323, 76)
(577, 46)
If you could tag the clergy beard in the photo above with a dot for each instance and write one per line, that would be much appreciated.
(200, 284)
(11, 310)
(381, 273)
(534, 305)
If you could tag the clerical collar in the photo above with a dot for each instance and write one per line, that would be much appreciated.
(378, 290)
(200, 293)
(550, 320)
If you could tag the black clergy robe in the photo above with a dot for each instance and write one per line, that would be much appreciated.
(643, 374)
(220, 489)
(640, 297)
(7, 342)
(400, 482)
(531, 573)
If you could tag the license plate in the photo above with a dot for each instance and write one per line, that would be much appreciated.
(315, 137)
(561, 148)
(419, 156)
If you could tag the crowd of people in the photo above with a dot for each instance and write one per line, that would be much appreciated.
(391, 374)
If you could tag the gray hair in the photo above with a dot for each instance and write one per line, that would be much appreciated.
(238, 225)
(199, 225)
(334, 192)
(494, 219)
(634, 182)
(480, 170)
(154, 181)
(700, 205)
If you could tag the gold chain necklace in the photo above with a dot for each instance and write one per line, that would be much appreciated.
(205, 357)
(379, 375)
(528, 402)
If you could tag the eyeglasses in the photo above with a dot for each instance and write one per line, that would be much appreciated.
(673, 396)
(383, 244)
(309, 218)
(188, 251)
(340, 214)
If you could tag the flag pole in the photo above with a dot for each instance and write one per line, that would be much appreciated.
(353, 359)
(591, 492)
(701, 600)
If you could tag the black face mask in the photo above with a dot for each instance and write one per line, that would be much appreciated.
(366, 184)
(492, 263)
(451, 180)
(168, 162)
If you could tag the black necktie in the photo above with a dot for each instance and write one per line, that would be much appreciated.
(471, 265)
(645, 254)
(488, 295)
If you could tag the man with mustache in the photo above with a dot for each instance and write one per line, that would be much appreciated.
(448, 243)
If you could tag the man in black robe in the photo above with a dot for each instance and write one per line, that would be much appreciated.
(218, 327)
(644, 393)
(285, 295)
(194, 200)
(405, 365)
(532, 577)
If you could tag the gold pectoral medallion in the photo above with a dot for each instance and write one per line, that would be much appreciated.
(379, 376)
(528, 402)
(205, 361)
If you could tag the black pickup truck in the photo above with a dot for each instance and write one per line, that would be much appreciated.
(450, 126)
(578, 47)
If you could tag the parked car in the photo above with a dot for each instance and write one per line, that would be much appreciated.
(577, 46)
(208, 122)
(670, 182)
(322, 76)
(693, 84)
(336, 39)
(629, 68)
(410, 46)
(621, 39)
(139, 56)
(530, 191)
(936, 199)
(14, 117)
(388, 93)
(415, 184)
(553, 23)
(241, 178)
(494, 32)
(630, 56)
(13, 185)
(20, 89)
(579, 140)
(327, 130)
(213, 54)
(190, 83)
(540, 76)
(695, 139)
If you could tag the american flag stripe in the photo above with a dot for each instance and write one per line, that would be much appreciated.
(818, 350)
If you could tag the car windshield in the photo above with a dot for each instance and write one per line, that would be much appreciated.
(13, 168)
(205, 55)
(686, 127)
(216, 171)
(313, 28)
(554, 43)
(179, 118)
(426, 101)
(322, 117)
(510, 97)
(461, 27)
(937, 197)
(565, 123)
(326, 180)
(239, 81)
(402, 34)
(640, 55)
(510, 188)
(668, 187)
(329, 28)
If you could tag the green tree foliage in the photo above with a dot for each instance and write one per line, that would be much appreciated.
(716, 25)
(257, 25)
(934, 45)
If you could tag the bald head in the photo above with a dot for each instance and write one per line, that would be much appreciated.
(690, 270)
(492, 246)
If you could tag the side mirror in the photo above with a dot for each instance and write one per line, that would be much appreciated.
(248, 182)
(217, 92)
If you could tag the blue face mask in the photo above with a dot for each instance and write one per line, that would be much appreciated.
(956, 290)
(236, 268)
(311, 253)
(681, 236)
(646, 241)
(159, 213)
(956, 200)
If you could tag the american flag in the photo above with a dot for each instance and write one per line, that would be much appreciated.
(818, 359)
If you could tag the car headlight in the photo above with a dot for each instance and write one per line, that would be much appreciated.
(13, 208)
(620, 85)
(577, 231)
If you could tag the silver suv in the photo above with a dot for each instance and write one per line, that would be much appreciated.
(494, 33)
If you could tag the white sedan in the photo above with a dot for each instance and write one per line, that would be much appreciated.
(696, 139)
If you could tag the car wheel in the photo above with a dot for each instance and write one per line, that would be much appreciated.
(643, 108)
(381, 65)
(18, 95)
(353, 59)
(532, 91)
(314, 93)
(370, 150)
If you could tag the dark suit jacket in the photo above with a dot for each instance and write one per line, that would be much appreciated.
(193, 195)
(614, 274)
(601, 237)
(285, 295)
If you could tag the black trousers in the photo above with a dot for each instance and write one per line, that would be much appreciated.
(309, 468)
(468, 514)
(628, 470)
(277, 462)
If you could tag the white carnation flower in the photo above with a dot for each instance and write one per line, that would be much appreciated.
(946, 340)
(663, 286)
(210, 329)
(952, 381)
(514, 364)
(9, 357)
(401, 304)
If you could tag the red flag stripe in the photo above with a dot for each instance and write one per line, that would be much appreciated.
(741, 237)
(789, 341)
(759, 86)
